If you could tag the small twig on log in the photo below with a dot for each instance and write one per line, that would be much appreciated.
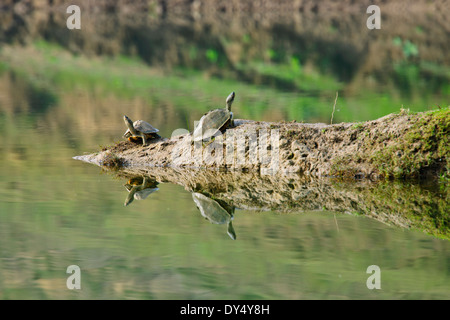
(334, 107)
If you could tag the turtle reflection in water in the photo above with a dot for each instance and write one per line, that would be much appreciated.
(139, 188)
(215, 212)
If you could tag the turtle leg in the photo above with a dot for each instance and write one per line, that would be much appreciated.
(144, 139)
(134, 139)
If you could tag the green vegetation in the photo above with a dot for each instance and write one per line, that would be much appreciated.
(409, 49)
(408, 146)
(212, 55)
(113, 161)
(3, 67)
(310, 97)
(358, 125)
(425, 143)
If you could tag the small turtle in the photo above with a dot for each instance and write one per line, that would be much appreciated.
(139, 129)
(214, 212)
(139, 189)
(214, 121)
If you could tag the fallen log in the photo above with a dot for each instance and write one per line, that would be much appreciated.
(401, 146)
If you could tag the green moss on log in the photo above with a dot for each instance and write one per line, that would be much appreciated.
(406, 146)
(424, 144)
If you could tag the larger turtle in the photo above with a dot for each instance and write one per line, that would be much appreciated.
(214, 121)
(215, 212)
(139, 129)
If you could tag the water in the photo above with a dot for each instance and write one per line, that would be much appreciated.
(162, 248)
(56, 212)
(302, 240)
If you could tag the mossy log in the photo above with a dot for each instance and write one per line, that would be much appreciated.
(400, 146)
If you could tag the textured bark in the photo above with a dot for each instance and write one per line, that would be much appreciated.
(400, 145)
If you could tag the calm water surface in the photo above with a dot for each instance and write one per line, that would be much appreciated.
(60, 212)
(60, 97)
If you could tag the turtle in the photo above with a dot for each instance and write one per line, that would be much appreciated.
(215, 212)
(214, 121)
(139, 130)
(139, 188)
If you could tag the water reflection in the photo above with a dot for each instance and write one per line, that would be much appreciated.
(217, 194)
(216, 211)
(139, 188)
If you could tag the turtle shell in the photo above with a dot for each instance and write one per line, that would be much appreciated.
(144, 127)
(211, 123)
(141, 126)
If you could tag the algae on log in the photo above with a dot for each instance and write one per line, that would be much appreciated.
(403, 145)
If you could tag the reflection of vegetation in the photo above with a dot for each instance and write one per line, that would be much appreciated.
(37, 95)
(408, 204)
(162, 250)
(41, 99)
(411, 205)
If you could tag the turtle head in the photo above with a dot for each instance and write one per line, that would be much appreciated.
(230, 100)
(129, 124)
